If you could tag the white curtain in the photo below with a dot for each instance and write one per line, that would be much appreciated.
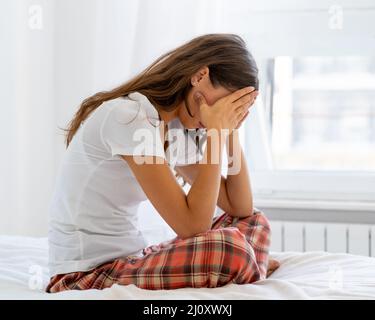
(53, 54)
(28, 116)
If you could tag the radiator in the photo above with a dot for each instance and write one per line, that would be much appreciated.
(293, 230)
(330, 237)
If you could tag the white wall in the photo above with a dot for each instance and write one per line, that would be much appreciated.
(27, 132)
(304, 27)
(53, 55)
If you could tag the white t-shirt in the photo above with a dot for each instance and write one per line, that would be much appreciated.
(93, 211)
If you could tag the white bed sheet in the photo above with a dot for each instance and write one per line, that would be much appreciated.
(312, 275)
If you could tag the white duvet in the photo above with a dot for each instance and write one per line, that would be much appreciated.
(312, 275)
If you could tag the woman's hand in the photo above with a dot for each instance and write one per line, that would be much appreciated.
(255, 94)
(227, 112)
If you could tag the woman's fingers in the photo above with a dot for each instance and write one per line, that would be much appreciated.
(239, 93)
(228, 111)
(242, 114)
(246, 106)
(240, 111)
(242, 119)
(246, 99)
(242, 106)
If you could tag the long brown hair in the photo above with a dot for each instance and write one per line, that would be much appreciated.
(166, 81)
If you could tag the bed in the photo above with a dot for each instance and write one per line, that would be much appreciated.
(309, 275)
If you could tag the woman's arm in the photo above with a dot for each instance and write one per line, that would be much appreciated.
(187, 214)
(238, 184)
(192, 214)
(235, 195)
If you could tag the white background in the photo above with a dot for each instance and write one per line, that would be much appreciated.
(79, 47)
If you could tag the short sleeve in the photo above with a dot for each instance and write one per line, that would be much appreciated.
(191, 147)
(130, 128)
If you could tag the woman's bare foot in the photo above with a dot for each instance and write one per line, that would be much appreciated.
(272, 266)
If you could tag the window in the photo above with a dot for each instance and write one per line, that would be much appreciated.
(312, 132)
(323, 113)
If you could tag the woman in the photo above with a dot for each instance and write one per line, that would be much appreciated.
(117, 157)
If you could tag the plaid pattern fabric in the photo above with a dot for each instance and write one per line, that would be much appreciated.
(235, 250)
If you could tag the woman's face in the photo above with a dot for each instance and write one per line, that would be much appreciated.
(201, 82)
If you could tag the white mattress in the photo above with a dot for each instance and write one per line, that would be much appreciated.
(312, 275)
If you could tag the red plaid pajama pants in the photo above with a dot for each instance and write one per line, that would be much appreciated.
(235, 250)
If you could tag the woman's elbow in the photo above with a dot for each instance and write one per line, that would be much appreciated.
(194, 229)
(241, 212)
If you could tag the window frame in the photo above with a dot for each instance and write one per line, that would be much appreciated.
(270, 184)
